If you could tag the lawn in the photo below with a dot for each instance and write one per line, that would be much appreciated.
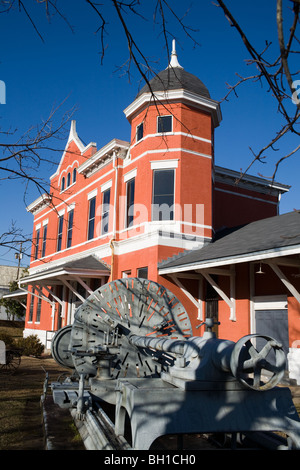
(20, 411)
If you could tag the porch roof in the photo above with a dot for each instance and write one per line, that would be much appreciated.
(264, 239)
(18, 294)
(88, 266)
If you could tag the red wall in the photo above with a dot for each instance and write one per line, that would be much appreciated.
(235, 206)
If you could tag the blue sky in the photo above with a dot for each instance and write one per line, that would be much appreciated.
(66, 68)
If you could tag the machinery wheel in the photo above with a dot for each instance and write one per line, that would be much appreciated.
(259, 368)
(122, 308)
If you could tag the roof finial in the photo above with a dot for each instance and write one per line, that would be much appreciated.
(174, 61)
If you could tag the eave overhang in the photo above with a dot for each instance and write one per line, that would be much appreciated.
(205, 104)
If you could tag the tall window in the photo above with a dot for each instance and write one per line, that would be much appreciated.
(38, 310)
(130, 185)
(37, 242)
(105, 211)
(139, 131)
(163, 195)
(74, 175)
(164, 124)
(91, 221)
(63, 182)
(68, 179)
(31, 306)
(70, 228)
(60, 232)
(44, 241)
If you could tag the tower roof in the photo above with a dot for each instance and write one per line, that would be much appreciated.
(174, 77)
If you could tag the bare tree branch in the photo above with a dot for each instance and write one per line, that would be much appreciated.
(274, 74)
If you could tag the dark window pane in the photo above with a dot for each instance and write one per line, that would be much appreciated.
(63, 183)
(38, 310)
(130, 202)
(91, 223)
(163, 195)
(70, 228)
(44, 241)
(74, 175)
(37, 241)
(68, 180)
(60, 232)
(105, 211)
(164, 124)
(140, 132)
(163, 182)
(143, 273)
(31, 305)
(91, 229)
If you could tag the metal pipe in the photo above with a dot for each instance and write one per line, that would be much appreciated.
(159, 344)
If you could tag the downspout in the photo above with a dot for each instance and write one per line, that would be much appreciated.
(112, 241)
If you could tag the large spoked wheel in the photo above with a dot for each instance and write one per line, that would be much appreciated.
(258, 362)
(130, 305)
(13, 360)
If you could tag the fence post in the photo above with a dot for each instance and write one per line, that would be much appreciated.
(2, 353)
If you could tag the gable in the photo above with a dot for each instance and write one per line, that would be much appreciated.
(72, 155)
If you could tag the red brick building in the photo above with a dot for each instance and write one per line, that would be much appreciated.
(140, 208)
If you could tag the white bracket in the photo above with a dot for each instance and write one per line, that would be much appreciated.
(66, 283)
(285, 280)
(197, 303)
(230, 301)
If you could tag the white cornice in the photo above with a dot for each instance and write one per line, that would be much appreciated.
(206, 104)
(224, 175)
(40, 203)
(102, 155)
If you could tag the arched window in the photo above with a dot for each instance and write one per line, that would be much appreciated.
(74, 175)
(63, 183)
(68, 179)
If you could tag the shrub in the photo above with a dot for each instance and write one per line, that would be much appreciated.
(31, 346)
